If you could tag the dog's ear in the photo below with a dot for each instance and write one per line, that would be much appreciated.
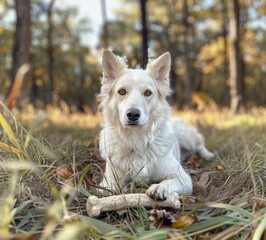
(160, 67)
(111, 66)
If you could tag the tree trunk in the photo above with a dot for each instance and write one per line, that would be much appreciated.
(105, 24)
(81, 77)
(236, 71)
(225, 95)
(173, 82)
(144, 33)
(187, 80)
(21, 50)
(34, 87)
(50, 51)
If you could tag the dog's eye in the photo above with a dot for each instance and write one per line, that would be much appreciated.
(147, 93)
(122, 91)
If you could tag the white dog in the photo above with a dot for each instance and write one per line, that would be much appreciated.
(139, 141)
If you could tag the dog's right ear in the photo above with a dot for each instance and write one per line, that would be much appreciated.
(111, 66)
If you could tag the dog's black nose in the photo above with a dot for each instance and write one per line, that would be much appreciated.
(133, 114)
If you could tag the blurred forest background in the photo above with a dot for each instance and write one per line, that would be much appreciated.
(218, 51)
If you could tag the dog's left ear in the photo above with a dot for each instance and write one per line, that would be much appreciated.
(160, 67)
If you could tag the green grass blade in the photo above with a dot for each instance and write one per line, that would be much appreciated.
(102, 227)
(154, 234)
(260, 229)
(84, 191)
(208, 224)
(83, 175)
(232, 208)
(23, 205)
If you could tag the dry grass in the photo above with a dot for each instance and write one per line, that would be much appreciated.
(49, 170)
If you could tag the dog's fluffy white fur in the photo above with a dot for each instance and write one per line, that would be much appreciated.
(139, 141)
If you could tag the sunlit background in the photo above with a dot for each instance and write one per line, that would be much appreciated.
(217, 49)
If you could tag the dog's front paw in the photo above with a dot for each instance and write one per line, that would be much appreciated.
(158, 192)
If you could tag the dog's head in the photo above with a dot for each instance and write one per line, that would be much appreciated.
(133, 95)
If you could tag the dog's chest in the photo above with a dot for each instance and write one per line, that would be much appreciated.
(137, 157)
(137, 164)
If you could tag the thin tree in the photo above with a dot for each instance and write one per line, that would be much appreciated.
(187, 80)
(144, 32)
(224, 12)
(235, 61)
(50, 50)
(21, 50)
(105, 24)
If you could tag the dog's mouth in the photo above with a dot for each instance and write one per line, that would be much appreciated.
(134, 124)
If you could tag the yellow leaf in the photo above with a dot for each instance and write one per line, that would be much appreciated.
(7, 129)
(9, 148)
(184, 221)
(13, 150)
(53, 190)
(64, 172)
(12, 98)
(220, 168)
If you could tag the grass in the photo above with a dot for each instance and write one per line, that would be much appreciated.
(49, 165)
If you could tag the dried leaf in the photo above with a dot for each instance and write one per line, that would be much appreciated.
(258, 203)
(13, 150)
(189, 200)
(184, 221)
(202, 184)
(64, 173)
(176, 235)
(10, 148)
(204, 178)
(220, 168)
(193, 161)
(95, 155)
(78, 167)
(8, 131)
(12, 98)
(18, 237)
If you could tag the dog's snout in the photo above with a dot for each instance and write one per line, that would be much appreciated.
(133, 114)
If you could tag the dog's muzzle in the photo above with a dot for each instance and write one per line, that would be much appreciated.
(133, 115)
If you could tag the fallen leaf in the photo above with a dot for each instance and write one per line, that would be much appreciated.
(220, 168)
(202, 184)
(184, 221)
(18, 236)
(78, 167)
(175, 235)
(64, 173)
(258, 203)
(15, 90)
(189, 200)
(204, 178)
(193, 161)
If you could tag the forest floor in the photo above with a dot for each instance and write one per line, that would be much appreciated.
(50, 164)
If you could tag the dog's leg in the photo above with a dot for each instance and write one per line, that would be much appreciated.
(204, 152)
(191, 140)
(162, 190)
(111, 179)
(179, 182)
